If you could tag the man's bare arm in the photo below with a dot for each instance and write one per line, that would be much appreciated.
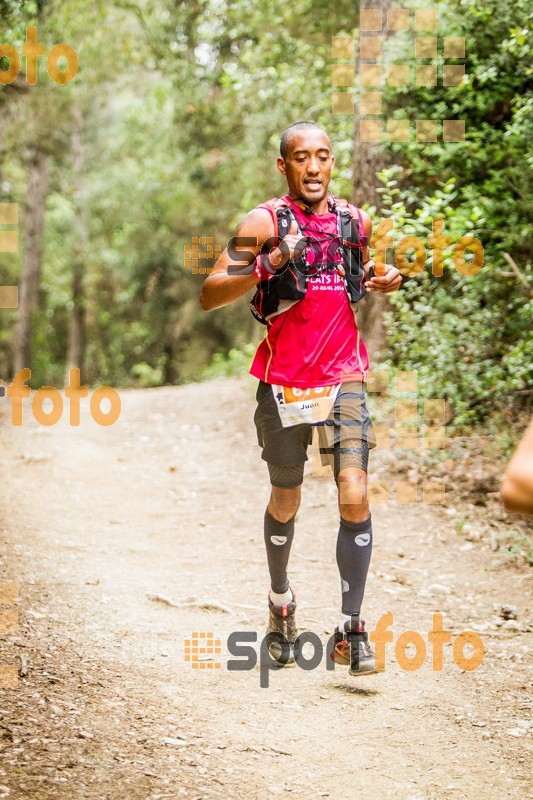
(517, 486)
(231, 278)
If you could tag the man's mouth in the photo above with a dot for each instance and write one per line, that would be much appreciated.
(313, 184)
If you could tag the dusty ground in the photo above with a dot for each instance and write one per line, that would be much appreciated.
(170, 501)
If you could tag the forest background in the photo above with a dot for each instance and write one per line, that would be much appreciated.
(170, 131)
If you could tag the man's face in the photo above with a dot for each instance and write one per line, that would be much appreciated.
(308, 165)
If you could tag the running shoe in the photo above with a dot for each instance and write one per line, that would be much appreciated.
(352, 648)
(282, 629)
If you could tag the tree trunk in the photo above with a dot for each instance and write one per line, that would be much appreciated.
(30, 277)
(76, 340)
(369, 159)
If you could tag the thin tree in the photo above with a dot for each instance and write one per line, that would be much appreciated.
(30, 277)
(76, 340)
(369, 159)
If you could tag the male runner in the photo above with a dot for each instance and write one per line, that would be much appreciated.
(312, 348)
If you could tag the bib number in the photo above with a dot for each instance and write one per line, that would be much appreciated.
(297, 406)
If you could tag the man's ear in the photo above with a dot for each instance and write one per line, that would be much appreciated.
(280, 163)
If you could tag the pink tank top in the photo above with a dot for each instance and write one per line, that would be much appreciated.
(316, 341)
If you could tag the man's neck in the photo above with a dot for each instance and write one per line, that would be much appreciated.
(320, 207)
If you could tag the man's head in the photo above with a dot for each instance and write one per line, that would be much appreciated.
(306, 161)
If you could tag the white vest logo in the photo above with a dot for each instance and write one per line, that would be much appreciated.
(362, 539)
(278, 539)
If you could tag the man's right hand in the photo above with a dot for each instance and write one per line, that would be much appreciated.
(290, 248)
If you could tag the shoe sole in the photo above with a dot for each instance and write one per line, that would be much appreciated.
(343, 662)
(360, 674)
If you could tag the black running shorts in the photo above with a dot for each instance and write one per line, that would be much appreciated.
(344, 438)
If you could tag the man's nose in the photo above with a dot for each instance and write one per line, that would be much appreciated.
(313, 166)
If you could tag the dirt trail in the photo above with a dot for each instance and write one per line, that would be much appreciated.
(170, 501)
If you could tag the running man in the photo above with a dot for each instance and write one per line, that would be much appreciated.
(309, 263)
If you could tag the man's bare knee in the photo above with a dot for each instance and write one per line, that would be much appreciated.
(353, 497)
(284, 503)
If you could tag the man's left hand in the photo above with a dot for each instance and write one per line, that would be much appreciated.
(390, 282)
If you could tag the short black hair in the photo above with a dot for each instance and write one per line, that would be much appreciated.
(287, 134)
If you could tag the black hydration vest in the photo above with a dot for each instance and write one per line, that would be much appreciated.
(283, 289)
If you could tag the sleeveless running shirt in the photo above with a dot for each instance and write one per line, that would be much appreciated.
(316, 341)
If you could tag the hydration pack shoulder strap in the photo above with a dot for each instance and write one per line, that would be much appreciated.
(354, 239)
(279, 291)
(282, 289)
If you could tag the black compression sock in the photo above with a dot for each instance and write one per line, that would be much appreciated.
(354, 549)
(278, 541)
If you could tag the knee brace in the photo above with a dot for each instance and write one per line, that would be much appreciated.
(286, 477)
(346, 456)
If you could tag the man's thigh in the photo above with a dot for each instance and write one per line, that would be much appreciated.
(280, 447)
(348, 435)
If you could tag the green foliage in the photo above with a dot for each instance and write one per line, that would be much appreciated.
(147, 376)
(468, 337)
(492, 167)
(15, 16)
(516, 546)
(225, 365)
(182, 115)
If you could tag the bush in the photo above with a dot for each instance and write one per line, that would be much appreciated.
(468, 337)
(236, 362)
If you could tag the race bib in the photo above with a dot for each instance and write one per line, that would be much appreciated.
(296, 406)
